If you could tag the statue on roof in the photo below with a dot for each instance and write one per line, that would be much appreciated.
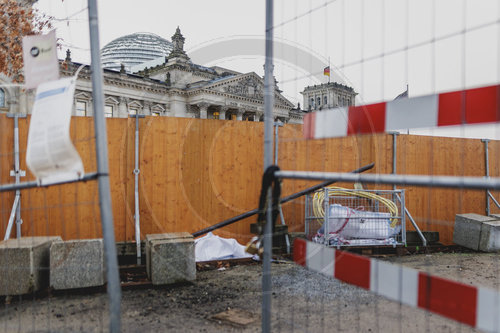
(178, 41)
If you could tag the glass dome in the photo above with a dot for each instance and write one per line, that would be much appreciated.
(134, 49)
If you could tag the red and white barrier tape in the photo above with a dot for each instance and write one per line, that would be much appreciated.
(475, 306)
(472, 106)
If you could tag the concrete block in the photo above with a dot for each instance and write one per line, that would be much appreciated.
(24, 264)
(170, 258)
(490, 237)
(467, 231)
(77, 264)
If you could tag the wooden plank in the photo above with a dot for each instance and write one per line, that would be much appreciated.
(195, 173)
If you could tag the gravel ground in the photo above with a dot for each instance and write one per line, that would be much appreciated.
(302, 301)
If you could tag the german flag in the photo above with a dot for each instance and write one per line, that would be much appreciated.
(326, 71)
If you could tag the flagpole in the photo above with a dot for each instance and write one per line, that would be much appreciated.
(329, 69)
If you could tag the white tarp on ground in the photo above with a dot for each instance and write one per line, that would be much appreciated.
(212, 247)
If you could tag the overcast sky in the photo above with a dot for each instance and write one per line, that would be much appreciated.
(365, 40)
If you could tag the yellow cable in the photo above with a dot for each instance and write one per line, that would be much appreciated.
(319, 197)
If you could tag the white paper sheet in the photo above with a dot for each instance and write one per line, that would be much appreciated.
(40, 59)
(50, 155)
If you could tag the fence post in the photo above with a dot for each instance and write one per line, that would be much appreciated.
(113, 277)
(268, 151)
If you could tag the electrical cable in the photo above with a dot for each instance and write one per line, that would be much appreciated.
(319, 198)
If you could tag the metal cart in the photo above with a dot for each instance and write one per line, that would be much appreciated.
(351, 217)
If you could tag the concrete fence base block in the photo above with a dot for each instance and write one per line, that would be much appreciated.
(467, 231)
(170, 258)
(77, 264)
(490, 237)
(24, 264)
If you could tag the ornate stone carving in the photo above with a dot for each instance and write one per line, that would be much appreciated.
(247, 88)
(178, 41)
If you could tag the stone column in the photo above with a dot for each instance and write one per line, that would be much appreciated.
(203, 110)
(257, 115)
(239, 114)
(222, 112)
(122, 107)
(90, 108)
(146, 110)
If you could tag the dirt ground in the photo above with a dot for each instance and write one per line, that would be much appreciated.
(302, 301)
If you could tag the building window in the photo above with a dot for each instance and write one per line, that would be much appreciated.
(81, 108)
(312, 102)
(325, 100)
(132, 111)
(155, 114)
(348, 101)
(108, 111)
(2, 98)
(216, 115)
(319, 101)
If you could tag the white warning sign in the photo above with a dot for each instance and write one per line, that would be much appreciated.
(50, 155)
(40, 59)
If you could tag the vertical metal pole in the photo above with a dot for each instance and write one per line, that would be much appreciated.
(136, 196)
(268, 151)
(394, 154)
(487, 173)
(137, 215)
(17, 174)
(113, 277)
(277, 125)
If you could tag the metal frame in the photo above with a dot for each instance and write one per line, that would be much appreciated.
(102, 176)
(34, 183)
(353, 201)
(477, 183)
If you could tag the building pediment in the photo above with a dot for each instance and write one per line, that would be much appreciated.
(245, 85)
(248, 85)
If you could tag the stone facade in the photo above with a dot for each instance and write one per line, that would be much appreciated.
(175, 88)
(327, 96)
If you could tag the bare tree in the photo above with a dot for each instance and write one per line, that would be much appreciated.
(17, 19)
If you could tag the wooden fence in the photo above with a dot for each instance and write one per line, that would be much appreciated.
(195, 173)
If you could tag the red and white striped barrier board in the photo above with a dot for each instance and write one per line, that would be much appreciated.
(475, 306)
(472, 106)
